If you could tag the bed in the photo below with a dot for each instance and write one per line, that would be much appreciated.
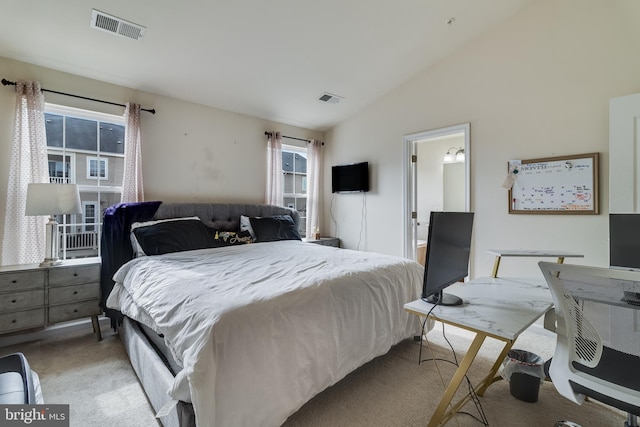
(245, 334)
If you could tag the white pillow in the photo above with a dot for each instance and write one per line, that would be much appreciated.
(137, 249)
(245, 225)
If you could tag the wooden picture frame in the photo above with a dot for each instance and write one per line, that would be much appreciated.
(555, 185)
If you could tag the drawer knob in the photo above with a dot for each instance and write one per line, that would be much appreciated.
(14, 281)
(13, 321)
(14, 301)
(75, 311)
(75, 292)
(75, 274)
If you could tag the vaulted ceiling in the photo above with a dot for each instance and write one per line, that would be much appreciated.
(271, 59)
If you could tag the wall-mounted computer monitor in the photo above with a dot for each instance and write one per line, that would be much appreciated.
(447, 260)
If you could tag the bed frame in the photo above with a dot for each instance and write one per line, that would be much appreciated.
(151, 370)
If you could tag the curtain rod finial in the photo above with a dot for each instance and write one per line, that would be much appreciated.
(6, 82)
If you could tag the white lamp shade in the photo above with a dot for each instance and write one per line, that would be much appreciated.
(52, 199)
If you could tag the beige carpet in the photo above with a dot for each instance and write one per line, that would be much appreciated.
(97, 381)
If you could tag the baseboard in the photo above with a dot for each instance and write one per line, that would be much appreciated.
(52, 331)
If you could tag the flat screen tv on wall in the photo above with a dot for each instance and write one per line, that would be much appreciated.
(350, 178)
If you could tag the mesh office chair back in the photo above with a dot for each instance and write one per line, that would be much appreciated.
(582, 365)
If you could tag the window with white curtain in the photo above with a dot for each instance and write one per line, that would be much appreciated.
(86, 148)
(294, 169)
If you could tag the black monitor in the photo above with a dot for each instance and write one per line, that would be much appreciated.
(447, 260)
(624, 241)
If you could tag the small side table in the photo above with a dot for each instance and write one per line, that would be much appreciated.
(499, 253)
(325, 241)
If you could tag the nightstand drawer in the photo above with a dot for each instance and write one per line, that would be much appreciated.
(64, 294)
(74, 275)
(62, 313)
(21, 320)
(21, 280)
(21, 300)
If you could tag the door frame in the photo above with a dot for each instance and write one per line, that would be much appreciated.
(410, 181)
(624, 161)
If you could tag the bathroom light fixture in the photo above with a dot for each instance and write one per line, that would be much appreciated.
(454, 155)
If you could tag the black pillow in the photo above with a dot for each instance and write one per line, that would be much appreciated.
(271, 229)
(230, 238)
(173, 236)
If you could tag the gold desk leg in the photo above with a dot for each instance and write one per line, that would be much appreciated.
(440, 416)
(560, 259)
(496, 265)
(492, 377)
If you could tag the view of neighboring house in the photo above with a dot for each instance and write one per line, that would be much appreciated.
(294, 168)
(88, 150)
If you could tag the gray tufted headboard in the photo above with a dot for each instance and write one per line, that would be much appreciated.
(222, 216)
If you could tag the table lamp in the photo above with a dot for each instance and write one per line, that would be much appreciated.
(50, 200)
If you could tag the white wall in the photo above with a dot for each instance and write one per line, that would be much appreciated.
(536, 86)
(454, 182)
(190, 152)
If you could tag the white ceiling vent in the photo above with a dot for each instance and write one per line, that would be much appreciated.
(117, 26)
(331, 99)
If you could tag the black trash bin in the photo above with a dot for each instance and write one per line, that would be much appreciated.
(524, 371)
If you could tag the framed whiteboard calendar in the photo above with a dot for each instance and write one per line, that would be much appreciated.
(555, 185)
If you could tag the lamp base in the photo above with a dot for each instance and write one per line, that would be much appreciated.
(50, 262)
(51, 241)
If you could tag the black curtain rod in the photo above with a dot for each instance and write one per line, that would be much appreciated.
(6, 82)
(291, 137)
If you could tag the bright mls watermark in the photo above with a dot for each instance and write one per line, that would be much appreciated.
(34, 415)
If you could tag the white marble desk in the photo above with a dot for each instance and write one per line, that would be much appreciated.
(494, 307)
(499, 253)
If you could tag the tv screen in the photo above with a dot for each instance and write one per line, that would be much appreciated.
(350, 178)
(624, 241)
(447, 259)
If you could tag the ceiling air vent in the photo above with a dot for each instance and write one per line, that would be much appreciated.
(331, 99)
(117, 26)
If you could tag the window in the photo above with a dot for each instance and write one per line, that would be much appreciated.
(85, 148)
(294, 168)
(97, 168)
(89, 210)
(60, 169)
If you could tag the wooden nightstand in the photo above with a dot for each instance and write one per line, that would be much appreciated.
(32, 296)
(325, 241)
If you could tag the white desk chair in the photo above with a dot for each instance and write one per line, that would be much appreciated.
(581, 365)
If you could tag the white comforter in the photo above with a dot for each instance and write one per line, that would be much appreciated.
(262, 328)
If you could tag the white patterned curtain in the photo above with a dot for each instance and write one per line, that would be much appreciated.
(274, 169)
(132, 190)
(24, 236)
(314, 165)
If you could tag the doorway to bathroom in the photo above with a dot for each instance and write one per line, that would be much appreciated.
(437, 165)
